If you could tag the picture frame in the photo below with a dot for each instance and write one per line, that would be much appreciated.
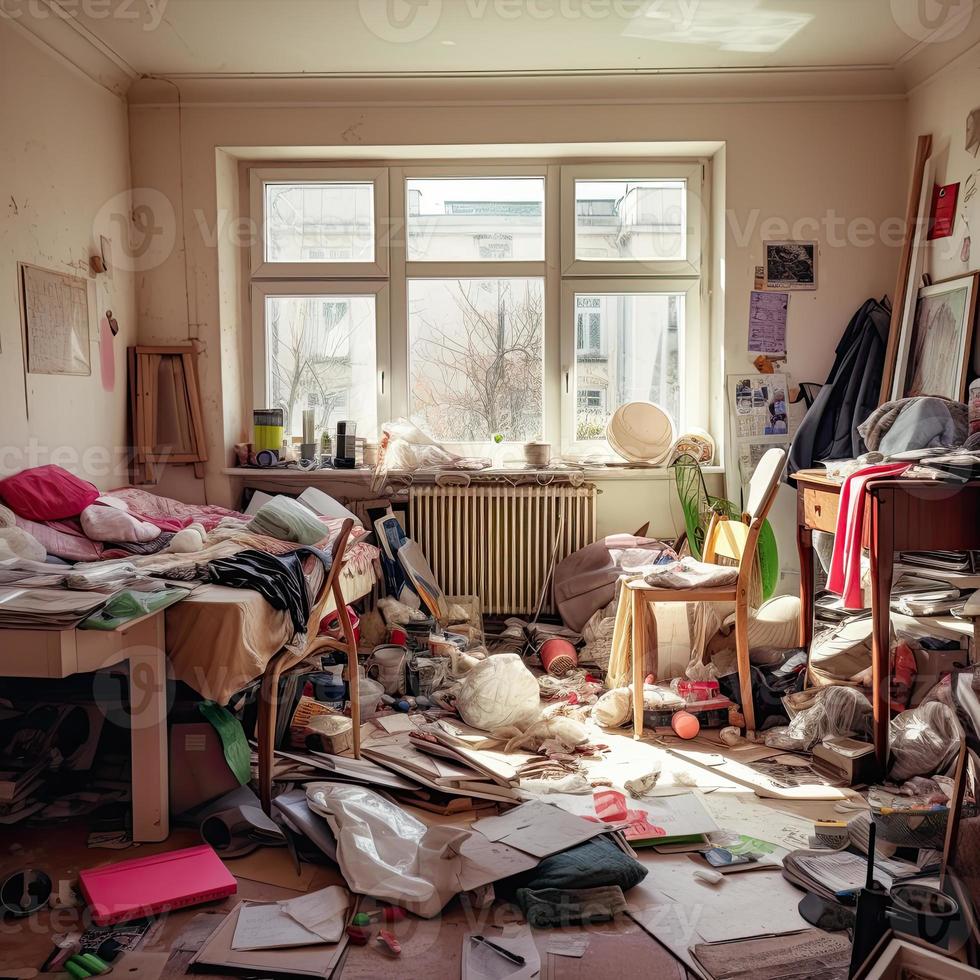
(790, 265)
(937, 342)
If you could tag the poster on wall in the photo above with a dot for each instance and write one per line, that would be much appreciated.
(767, 322)
(791, 265)
(761, 417)
(56, 322)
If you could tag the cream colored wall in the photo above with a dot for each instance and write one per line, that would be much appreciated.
(64, 171)
(791, 169)
(940, 107)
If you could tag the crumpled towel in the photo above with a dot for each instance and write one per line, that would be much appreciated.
(288, 520)
(688, 573)
(915, 423)
(594, 864)
(552, 908)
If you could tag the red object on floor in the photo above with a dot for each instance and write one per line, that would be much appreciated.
(153, 885)
(685, 725)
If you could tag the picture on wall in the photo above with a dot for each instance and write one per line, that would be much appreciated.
(938, 349)
(791, 265)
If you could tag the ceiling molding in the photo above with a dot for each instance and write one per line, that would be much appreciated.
(70, 42)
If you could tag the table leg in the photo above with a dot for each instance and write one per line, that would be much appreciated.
(881, 546)
(804, 545)
(148, 731)
(639, 609)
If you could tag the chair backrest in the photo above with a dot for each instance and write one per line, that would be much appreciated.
(726, 540)
(764, 482)
(336, 567)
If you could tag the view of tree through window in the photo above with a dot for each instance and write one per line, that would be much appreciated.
(322, 356)
(476, 357)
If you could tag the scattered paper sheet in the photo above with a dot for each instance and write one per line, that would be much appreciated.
(538, 828)
(323, 913)
(396, 723)
(269, 927)
(804, 954)
(564, 946)
(486, 861)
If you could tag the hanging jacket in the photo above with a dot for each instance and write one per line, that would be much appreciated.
(829, 429)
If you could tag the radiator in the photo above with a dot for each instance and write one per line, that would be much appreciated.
(497, 541)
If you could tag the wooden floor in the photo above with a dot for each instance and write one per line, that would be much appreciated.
(431, 948)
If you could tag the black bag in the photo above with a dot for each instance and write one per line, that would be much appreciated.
(850, 394)
(769, 686)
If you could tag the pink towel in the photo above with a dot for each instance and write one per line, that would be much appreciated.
(845, 566)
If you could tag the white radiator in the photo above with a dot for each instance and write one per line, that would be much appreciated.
(497, 541)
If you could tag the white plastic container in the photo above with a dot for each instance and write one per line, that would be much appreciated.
(369, 694)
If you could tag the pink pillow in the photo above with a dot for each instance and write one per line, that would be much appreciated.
(47, 493)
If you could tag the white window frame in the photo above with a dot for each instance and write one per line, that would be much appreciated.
(693, 404)
(690, 172)
(402, 271)
(259, 179)
(563, 276)
(260, 291)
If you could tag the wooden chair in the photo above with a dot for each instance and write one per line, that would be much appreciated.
(732, 542)
(286, 660)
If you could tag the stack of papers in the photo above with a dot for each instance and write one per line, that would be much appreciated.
(539, 829)
(46, 608)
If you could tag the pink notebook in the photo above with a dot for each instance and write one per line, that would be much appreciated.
(152, 885)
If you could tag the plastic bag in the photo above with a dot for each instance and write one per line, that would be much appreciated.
(387, 854)
(922, 742)
(836, 711)
(499, 692)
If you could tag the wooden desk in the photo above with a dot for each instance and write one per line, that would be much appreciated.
(138, 647)
(901, 515)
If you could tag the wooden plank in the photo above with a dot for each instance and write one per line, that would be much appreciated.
(899, 301)
(194, 401)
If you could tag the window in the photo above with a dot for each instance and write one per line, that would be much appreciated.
(476, 356)
(525, 301)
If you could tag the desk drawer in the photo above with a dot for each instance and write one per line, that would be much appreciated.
(820, 509)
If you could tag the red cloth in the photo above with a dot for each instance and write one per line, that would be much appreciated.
(47, 493)
(845, 566)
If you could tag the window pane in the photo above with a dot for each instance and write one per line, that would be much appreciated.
(323, 221)
(630, 220)
(476, 357)
(633, 354)
(460, 219)
(322, 355)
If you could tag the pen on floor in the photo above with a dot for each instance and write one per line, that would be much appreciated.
(499, 950)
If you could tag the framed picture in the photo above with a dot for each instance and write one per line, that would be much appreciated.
(791, 265)
(935, 355)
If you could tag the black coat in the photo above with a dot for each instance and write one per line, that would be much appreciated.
(829, 429)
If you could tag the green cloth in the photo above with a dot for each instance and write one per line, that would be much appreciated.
(238, 755)
(131, 604)
(553, 908)
(288, 520)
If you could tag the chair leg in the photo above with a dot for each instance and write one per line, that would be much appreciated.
(744, 664)
(352, 671)
(638, 610)
(266, 728)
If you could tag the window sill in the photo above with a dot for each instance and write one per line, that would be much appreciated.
(592, 474)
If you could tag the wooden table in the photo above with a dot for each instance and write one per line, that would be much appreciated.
(138, 647)
(901, 515)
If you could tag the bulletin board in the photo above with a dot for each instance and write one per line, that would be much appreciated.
(55, 312)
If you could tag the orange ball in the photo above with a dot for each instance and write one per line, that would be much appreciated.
(685, 724)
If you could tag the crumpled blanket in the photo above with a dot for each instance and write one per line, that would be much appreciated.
(915, 423)
(109, 520)
(554, 908)
(689, 573)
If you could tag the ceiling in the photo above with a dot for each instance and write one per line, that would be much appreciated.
(908, 39)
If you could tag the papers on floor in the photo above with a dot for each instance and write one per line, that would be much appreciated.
(269, 927)
(651, 820)
(539, 829)
(218, 953)
(322, 913)
(810, 953)
(834, 872)
(567, 946)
